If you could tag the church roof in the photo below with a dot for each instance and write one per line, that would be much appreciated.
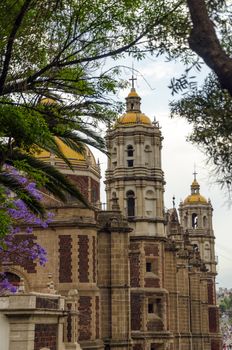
(134, 118)
(73, 156)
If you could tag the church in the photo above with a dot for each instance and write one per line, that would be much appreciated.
(129, 276)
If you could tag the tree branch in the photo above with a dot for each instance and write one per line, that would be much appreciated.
(10, 42)
(203, 40)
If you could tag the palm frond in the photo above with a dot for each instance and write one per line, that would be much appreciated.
(52, 146)
(84, 135)
(56, 183)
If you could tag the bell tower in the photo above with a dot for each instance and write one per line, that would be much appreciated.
(196, 218)
(134, 175)
(135, 183)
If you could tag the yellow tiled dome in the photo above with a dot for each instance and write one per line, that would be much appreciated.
(67, 151)
(133, 118)
(195, 198)
(47, 101)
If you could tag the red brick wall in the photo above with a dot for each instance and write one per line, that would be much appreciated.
(85, 314)
(216, 344)
(134, 246)
(97, 318)
(134, 270)
(210, 293)
(152, 283)
(95, 191)
(45, 336)
(65, 251)
(155, 325)
(136, 312)
(94, 259)
(81, 182)
(83, 253)
(152, 249)
(69, 323)
(213, 320)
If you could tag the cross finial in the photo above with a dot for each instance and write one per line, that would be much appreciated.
(132, 78)
(195, 172)
(132, 81)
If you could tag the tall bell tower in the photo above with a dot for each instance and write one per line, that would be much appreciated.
(135, 185)
(134, 176)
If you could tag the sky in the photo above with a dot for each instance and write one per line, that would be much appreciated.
(179, 156)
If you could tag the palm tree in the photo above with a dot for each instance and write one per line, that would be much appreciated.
(27, 130)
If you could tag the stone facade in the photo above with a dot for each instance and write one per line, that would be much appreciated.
(130, 277)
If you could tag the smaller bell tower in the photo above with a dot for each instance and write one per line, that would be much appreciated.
(196, 218)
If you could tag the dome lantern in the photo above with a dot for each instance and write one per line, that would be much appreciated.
(195, 197)
(133, 113)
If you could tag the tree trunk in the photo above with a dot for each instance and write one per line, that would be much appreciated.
(203, 40)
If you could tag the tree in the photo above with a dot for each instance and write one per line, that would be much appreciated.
(56, 49)
(209, 110)
(205, 42)
(53, 49)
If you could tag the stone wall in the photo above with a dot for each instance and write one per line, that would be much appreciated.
(32, 322)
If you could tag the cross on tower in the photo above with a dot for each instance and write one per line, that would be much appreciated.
(132, 81)
(195, 173)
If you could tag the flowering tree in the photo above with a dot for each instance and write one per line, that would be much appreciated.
(17, 245)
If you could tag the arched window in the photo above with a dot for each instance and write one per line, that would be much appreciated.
(13, 279)
(130, 151)
(130, 197)
(194, 220)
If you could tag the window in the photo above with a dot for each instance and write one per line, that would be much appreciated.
(147, 148)
(12, 278)
(150, 308)
(130, 196)
(194, 220)
(130, 151)
(148, 267)
(130, 163)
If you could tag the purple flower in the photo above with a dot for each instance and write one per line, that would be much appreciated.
(18, 246)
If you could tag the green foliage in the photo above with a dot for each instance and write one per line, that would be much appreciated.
(226, 304)
(57, 50)
(209, 110)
